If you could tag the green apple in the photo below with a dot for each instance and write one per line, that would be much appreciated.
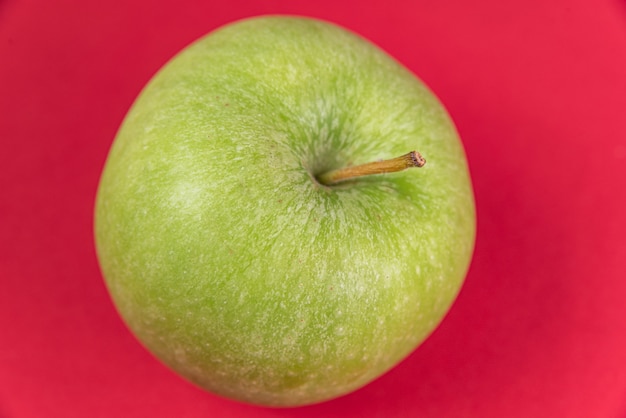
(228, 255)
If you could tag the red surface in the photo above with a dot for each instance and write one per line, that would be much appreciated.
(538, 90)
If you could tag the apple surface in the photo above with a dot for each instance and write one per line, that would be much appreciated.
(228, 258)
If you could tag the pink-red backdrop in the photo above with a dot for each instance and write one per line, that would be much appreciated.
(538, 91)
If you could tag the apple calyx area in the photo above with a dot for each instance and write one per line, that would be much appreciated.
(409, 160)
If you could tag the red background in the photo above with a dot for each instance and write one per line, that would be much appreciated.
(538, 91)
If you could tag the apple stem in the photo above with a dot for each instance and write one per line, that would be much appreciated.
(412, 159)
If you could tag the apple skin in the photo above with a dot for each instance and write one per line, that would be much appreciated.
(226, 258)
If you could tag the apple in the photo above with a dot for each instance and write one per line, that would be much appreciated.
(254, 224)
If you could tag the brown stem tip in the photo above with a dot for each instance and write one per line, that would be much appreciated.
(412, 159)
